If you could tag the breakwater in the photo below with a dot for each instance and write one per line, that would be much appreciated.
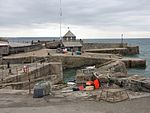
(36, 72)
(103, 45)
(122, 51)
(78, 61)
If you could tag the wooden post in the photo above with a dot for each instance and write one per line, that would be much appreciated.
(29, 83)
(26, 70)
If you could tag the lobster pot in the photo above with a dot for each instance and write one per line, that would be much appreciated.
(41, 89)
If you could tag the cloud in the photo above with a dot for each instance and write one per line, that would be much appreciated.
(99, 16)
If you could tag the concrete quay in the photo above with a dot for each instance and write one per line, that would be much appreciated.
(134, 62)
(121, 51)
(36, 72)
(73, 61)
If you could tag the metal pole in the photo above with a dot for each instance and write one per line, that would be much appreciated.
(122, 40)
(27, 73)
(60, 19)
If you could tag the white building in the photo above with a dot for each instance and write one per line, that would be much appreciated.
(71, 43)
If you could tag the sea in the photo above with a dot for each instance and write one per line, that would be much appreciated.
(143, 43)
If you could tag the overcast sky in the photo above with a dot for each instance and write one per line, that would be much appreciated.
(86, 18)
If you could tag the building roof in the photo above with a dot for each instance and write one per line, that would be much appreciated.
(4, 43)
(72, 44)
(69, 34)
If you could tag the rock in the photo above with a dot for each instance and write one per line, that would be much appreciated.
(113, 69)
(117, 66)
(134, 83)
(119, 75)
(82, 76)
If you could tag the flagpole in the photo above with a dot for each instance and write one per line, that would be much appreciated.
(60, 19)
(122, 40)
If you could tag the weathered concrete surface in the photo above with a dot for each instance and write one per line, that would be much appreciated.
(27, 104)
(70, 61)
(114, 67)
(132, 50)
(52, 44)
(84, 75)
(27, 57)
(121, 51)
(24, 48)
(78, 61)
(134, 62)
(135, 83)
(49, 71)
(103, 45)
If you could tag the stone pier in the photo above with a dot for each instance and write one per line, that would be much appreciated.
(134, 62)
(122, 51)
(46, 71)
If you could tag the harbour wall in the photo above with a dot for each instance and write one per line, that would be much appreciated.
(129, 50)
(132, 50)
(29, 48)
(122, 51)
(134, 62)
(21, 60)
(78, 61)
(52, 44)
(49, 71)
(103, 45)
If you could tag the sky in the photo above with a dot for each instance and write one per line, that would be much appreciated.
(85, 18)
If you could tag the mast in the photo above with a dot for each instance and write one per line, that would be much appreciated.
(122, 40)
(60, 19)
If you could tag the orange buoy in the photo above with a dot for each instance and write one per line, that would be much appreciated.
(96, 84)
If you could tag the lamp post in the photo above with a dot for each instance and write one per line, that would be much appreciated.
(122, 40)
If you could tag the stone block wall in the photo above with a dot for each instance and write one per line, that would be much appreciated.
(132, 50)
(122, 51)
(51, 71)
(77, 61)
(21, 60)
(57, 71)
(134, 63)
(4, 50)
(102, 45)
(52, 44)
(33, 47)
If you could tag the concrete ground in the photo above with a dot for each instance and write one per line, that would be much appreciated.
(26, 104)
(44, 53)
(18, 101)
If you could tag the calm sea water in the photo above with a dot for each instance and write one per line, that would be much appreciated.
(144, 45)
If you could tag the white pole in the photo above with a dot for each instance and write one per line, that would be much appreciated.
(122, 39)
